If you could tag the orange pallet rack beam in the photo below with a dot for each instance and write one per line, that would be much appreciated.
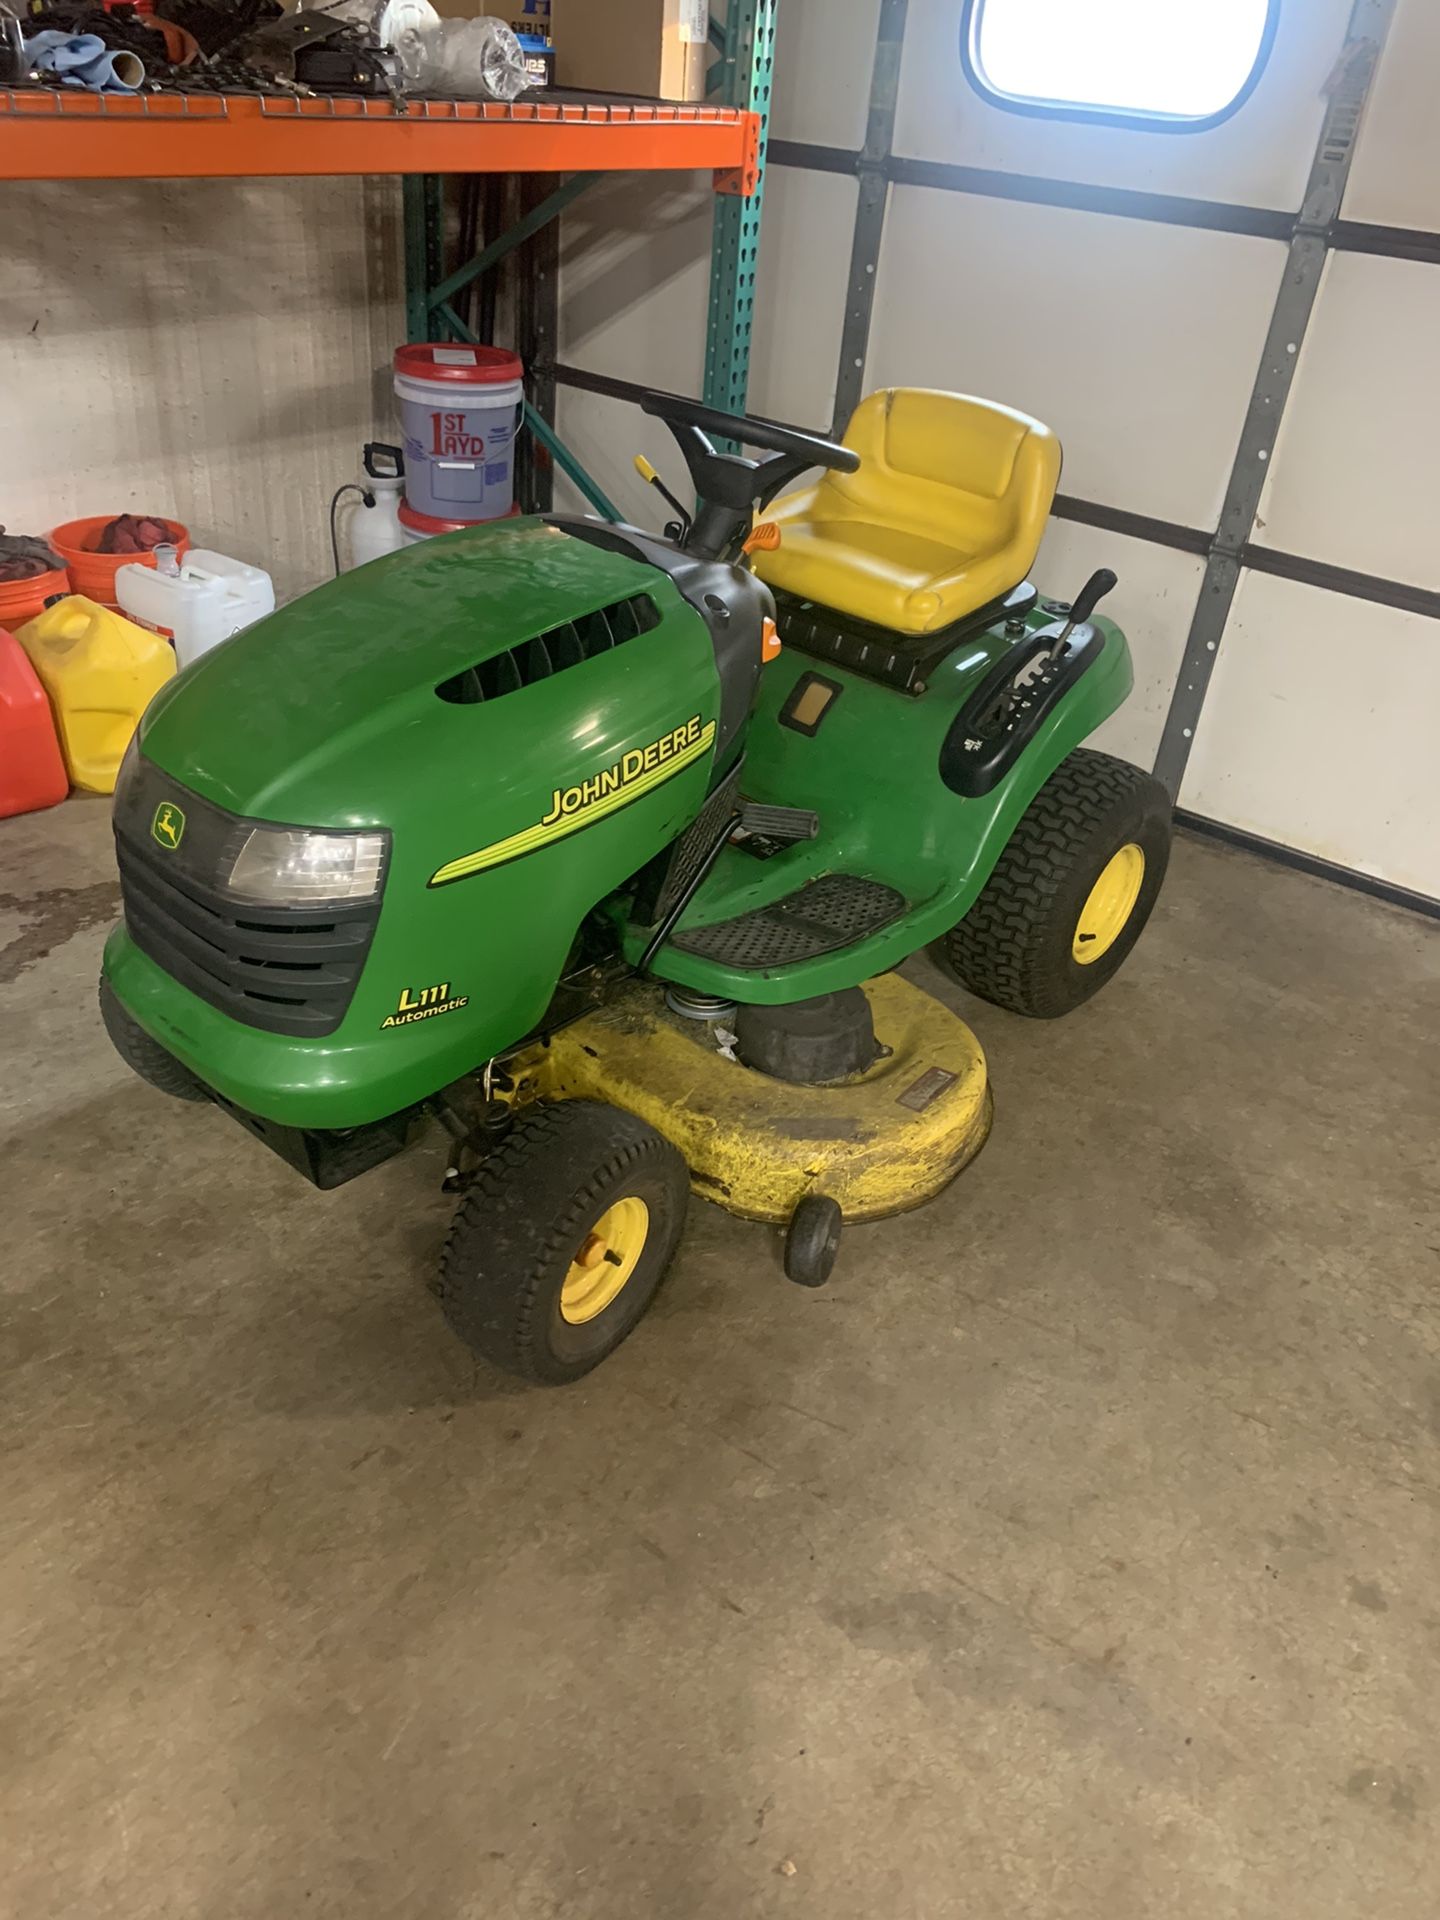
(173, 136)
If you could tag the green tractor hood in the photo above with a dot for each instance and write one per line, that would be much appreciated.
(310, 715)
(527, 717)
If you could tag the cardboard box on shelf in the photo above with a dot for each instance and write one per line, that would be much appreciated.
(539, 62)
(525, 16)
(655, 48)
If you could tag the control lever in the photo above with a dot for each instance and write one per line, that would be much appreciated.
(1081, 608)
(648, 474)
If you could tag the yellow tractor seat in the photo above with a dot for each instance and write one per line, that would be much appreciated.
(943, 515)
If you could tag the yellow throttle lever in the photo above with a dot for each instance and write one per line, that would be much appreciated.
(652, 479)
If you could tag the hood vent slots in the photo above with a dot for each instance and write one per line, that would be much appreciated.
(584, 638)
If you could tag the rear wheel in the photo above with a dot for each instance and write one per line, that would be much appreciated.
(563, 1239)
(1071, 892)
(145, 1056)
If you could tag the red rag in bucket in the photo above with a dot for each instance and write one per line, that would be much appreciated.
(31, 572)
(132, 533)
(93, 572)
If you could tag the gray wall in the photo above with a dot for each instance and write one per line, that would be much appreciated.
(210, 349)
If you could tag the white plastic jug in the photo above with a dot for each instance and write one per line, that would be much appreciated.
(375, 529)
(197, 603)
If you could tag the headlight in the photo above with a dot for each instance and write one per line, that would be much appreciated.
(287, 867)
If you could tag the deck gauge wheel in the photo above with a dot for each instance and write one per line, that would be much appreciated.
(812, 1240)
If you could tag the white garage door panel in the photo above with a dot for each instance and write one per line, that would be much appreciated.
(605, 435)
(1137, 343)
(1260, 157)
(1152, 603)
(1353, 475)
(634, 279)
(824, 53)
(800, 305)
(1395, 175)
(1318, 731)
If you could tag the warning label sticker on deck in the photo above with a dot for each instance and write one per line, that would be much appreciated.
(931, 1084)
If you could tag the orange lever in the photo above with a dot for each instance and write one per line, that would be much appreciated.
(769, 640)
(764, 538)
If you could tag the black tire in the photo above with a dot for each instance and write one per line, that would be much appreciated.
(1016, 945)
(145, 1056)
(528, 1216)
(812, 1240)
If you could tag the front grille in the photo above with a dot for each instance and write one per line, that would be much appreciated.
(585, 637)
(289, 970)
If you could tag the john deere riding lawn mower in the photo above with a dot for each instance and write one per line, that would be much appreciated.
(600, 848)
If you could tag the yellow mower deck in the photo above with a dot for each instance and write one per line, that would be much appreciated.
(879, 1144)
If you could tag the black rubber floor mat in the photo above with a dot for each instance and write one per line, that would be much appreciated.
(826, 914)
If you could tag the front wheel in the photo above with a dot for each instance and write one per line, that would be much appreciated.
(562, 1240)
(1071, 892)
(144, 1056)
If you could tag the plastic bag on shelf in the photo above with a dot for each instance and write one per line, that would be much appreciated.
(477, 59)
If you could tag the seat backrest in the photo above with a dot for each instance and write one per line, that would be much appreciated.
(956, 469)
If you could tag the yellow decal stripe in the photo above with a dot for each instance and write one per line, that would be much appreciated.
(533, 838)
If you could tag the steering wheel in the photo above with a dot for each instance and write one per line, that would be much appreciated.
(730, 487)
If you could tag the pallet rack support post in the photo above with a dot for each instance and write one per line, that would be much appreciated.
(742, 78)
(537, 335)
(424, 250)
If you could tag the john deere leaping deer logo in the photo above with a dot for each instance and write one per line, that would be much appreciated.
(168, 825)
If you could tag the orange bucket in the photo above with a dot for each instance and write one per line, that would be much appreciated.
(92, 573)
(21, 600)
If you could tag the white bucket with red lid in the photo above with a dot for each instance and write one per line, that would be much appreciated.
(460, 408)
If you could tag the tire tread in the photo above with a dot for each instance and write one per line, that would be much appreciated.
(146, 1058)
(1000, 950)
(508, 1204)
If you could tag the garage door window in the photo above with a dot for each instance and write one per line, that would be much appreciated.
(1177, 64)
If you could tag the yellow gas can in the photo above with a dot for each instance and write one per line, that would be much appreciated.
(100, 671)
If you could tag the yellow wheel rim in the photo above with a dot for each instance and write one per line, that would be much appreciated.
(604, 1260)
(1111, 903)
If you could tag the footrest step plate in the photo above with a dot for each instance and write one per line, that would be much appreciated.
(835, 911)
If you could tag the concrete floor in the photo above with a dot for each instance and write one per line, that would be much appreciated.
(1075, 1553)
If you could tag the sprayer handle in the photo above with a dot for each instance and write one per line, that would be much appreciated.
(395, 455)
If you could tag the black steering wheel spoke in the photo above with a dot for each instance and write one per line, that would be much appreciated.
(731, 486)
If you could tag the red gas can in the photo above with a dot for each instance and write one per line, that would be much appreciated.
(32, 772)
